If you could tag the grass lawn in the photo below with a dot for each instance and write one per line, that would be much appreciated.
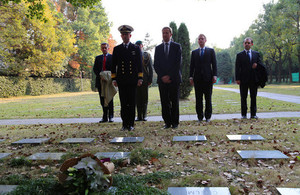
(293, 89)
(211, 163)
(87, 104)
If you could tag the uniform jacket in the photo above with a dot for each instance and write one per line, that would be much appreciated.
(98, 67)
(127, 65)
(203, 68)
(243, 68)
(170, 66)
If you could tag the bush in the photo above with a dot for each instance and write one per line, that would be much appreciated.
(20, 86)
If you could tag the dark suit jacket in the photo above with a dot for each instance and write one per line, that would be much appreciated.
(98, 66)
(203, 69)
(170, 66)
(127, 65)
(243, 67)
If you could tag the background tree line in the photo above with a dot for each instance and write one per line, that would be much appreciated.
(64, 45)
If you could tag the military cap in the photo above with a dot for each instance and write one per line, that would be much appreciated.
(139, 43)
(125, 29)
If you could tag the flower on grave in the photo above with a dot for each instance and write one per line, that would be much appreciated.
(86, 177)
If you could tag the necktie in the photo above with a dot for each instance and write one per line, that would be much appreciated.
(125, 45)
(104, 63)
(248, 54)
(202, 52)
(166, 50)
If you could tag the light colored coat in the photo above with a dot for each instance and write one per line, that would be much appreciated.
(108, 90)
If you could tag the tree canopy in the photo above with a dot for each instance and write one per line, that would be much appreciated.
(36, 8)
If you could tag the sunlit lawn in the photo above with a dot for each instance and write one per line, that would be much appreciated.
(86, 104)
(293, 89)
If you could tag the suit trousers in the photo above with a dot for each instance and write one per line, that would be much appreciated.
(108, 112)
(127, 94)
(244, 93)
(203, 88)
(142, 100)
(169, 97)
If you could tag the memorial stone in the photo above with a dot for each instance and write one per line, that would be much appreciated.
(245, 137)
(46, 156)
(261, 154)
(127, 139)
(289, 191)
(198, 191)
(4, 155)
(189, 138)
(113, 155)
(4, 189)
(32, 141)
(77, 140)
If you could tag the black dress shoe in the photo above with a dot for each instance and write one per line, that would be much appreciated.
(175, 126)
(145, 119)
(138, 119)
(123, 129)
(207, 120)
(103, 121)
(111, 120)
(130, 128)
(244, 117)
(167, 126)
(254, 117)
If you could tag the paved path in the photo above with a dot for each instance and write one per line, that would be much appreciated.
(275, 96)
(151, 118)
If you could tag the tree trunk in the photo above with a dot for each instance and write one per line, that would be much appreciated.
(290, 67)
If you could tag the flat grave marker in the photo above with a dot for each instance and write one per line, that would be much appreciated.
(46, 156)
(289, 191)
(2, 140)
(261, 154)
(245, 137)
(189, 138)
(198, 191)
(7, 188)
(77, 140)
(32, 141)
(113, 155)
(4, 155)
(127, 139)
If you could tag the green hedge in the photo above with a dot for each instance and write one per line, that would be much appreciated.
(19, 86)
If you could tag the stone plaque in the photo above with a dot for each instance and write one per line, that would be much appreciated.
(4, 155)
(77, 140)
(289, 191)
(189, 138)
(113, 155)
(198, 191)
(46, 156)
(261, 154)
(7, 188)
(32, 141)
(245, 137)
(127, 139)
(2, 140)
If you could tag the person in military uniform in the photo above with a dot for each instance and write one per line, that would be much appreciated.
(127, 74)
(103, 63)
(142, 91)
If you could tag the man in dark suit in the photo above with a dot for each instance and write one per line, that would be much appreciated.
(246, 74)
(203, 73)
(103, 63)
(127, 74)
(167, 64)
(142, 91)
